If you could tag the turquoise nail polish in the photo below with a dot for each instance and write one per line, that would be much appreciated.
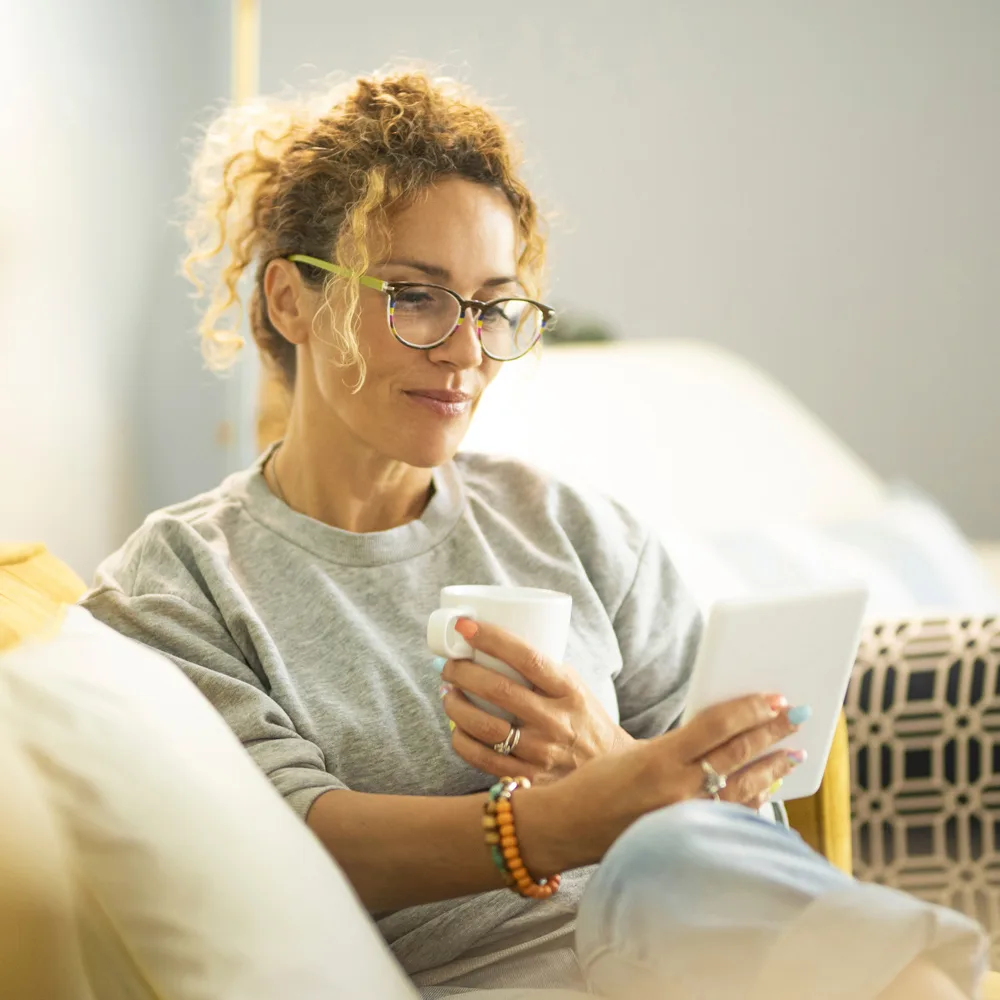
(799, 714)
(438, 663)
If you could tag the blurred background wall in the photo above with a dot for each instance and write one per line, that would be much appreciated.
(812, 186)
(105, 411)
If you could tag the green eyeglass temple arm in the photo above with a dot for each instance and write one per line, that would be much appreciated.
(387, 286)
(377, 283)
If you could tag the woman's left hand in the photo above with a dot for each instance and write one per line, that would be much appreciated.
(562, 723)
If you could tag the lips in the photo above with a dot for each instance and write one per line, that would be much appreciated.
(447, 404)
(442, 395)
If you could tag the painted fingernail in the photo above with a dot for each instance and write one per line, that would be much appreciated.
(451, 726)
(443, 690)
(466, 628)
(775, 787)
(438, 663)
(777, 702)
(799, 714)
(796, 756)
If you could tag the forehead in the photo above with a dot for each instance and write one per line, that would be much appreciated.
(459, 225)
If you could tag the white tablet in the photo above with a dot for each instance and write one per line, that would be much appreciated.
(801, 646)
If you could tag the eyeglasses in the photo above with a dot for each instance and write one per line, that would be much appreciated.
(424, 316)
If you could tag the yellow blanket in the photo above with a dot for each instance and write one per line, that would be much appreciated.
(35, 588)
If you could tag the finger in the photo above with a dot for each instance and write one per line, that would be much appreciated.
(473, 720)
(751, 786)
(765, 797)
(553, 678)
(721, 723)
(748, 746)
(490, 730)
(496, 688)
(488, 760)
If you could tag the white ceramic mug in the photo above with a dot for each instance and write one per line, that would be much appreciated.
(539, 617)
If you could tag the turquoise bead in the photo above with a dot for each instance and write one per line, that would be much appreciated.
(498, 857)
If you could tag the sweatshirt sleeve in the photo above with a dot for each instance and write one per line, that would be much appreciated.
(658, 626)
(149, 593)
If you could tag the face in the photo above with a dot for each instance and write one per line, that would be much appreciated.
(415, 405)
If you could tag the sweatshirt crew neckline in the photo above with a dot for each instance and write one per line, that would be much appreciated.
(377, 548)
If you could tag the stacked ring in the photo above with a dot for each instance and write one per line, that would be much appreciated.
(713, 782)
(510, 742)
(501, 838)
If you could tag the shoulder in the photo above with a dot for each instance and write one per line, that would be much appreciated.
(172, 544)
(593, 520)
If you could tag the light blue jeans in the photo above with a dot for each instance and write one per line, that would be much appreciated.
(707, 901)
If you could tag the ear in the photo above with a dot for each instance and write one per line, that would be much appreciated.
(291, 303)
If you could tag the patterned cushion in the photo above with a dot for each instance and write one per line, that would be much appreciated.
(923, 713)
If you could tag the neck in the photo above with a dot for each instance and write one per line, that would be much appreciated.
(336, 479)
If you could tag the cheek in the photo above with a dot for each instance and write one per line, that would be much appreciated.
(381, 352)
(374, 336)
(490, 369)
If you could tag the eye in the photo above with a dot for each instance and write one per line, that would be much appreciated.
(414, 298)
(495, 316)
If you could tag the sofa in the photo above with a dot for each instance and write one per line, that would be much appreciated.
(131, 870)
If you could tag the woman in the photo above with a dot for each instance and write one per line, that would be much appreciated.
(397, 261)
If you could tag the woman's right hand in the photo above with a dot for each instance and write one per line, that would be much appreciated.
(615, 790)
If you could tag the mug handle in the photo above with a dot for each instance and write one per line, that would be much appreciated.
(442, 637)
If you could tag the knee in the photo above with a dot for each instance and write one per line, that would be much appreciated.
(687, 837)
(666, 878)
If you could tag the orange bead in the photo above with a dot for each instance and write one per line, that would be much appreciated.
(503, 805)
(518, 873)
(510, 854)
(508, 841)
(506, 829)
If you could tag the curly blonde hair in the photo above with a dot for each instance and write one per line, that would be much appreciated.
(321, 176)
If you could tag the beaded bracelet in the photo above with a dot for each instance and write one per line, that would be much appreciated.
(501, 838)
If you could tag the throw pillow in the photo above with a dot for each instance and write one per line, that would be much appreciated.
(194, 879)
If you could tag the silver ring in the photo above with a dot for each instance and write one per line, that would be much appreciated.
(713, 782)
(509, 745)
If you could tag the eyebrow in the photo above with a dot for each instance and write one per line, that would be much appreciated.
(442, 274)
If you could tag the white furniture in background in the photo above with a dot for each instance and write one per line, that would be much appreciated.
(715, 441)
(692, 438)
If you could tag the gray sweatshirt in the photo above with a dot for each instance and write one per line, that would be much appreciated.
(311, 641)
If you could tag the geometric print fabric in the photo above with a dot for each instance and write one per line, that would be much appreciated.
(923, 717)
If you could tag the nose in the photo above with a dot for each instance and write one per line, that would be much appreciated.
(462, 349)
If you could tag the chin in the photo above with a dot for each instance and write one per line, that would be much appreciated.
(427, 458)
(430, 452)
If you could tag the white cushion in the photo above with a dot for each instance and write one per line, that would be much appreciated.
(909, 552)
(675, 429)
(195, 880)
